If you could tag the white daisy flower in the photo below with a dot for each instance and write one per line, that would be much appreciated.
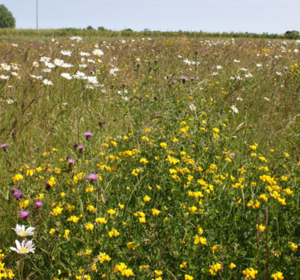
(234, 109)
(23, 248)
(98, 52)
(68, 53)
(47, 82)
(21, 231)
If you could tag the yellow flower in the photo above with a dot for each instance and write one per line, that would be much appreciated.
(73, 219)
(147, 198)
(103, 257)
(293, 246)
(193, 209)
(91, 208)
(111, 212)
(277, 275)
(114, 233)
(250, 273)
(183, 265)
(213, 166)
(261, 228)
(142, 220)
(288, 191)
(89, 226)
(135, 172)
(101, 220)
(70, 208)
(163, 145)
(57, 211)
(232, 266)
(24, 204)
(51, 231)
(214, 269)
(130, 245)
(121, 206)
(155, 212)
(199, 239)
(144, 267)
(158, 272)
(67, 232)
(143, 160)
(127, 272)
(17, 178)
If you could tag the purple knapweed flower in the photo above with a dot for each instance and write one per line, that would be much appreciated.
(192, 79)
(18, 194)
(38, 204)
(71, 163)
(80, 148)
(88, 135)
(14, 189)
(48, 186)
(24, 214)
(93, 178)
(4, 147)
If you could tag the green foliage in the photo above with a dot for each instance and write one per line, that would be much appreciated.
(7, 19)
(106, 33)
(291, 34)
(90, 28)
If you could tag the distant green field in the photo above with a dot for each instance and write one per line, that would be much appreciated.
(90, 35)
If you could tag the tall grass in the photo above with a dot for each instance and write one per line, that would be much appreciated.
(196, 147)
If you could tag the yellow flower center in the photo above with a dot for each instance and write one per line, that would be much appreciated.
(23, 249)
(24, 233)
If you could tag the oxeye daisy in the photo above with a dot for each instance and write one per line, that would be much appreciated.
(21, 231)
(23, 248)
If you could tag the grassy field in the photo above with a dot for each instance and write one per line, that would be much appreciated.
(144, 158)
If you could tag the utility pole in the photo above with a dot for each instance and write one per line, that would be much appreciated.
(37, 14)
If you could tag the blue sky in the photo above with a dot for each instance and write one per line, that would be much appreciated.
(271, 16)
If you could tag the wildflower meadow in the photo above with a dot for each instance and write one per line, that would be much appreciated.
(145, 158)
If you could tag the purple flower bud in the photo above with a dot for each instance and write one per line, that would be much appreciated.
(71, 160)
(48, 186)
(38, 204)
(92, 71)
(92, 177)
(14, 189)
(88, 135)
(192, 79)
(80, 148)
(159, 90)
(4, 147)
(71, 163)
(24, 214)
(18, 194)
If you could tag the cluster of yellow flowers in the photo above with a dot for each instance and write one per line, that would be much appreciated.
(5, 273)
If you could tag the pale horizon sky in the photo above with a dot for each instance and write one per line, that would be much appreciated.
(257, 16)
